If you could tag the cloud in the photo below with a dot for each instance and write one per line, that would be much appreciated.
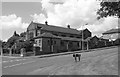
(12, 21)
(20, 0)
(76, 13)
(102, 25)
(9, 24)
(39, 18)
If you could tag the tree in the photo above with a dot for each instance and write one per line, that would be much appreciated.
(23, 34)
(25, 44)
(109, 9)
(0, 43)
(12, 40)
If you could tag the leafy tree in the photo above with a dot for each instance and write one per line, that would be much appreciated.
(0, 43)
(12, 39)
(26, 44)
(109, 9)
(23, 34)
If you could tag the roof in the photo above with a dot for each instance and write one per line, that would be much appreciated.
(46, 35)
(70, 39)
(103, 39)
(49, 35)
(111, 31)
(89, 38)
(56, 28)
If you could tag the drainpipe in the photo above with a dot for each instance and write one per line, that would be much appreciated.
(87, 45)
(68, 46)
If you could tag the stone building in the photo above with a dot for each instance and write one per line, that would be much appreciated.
(50, 38)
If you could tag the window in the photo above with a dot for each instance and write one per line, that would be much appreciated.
(38, 33)
(78, 44)
(71, 36)
(55, 34)
(70, 44)
(63, 35)
(39, 41)
(48, 42)
(31, 35)
(35, 41)
(62, 43)
(54, 42)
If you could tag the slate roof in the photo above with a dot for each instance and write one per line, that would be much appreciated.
(49, 35)
(103, 39)
(57, 28)
(46, 35)
(112, 31)
(70, 39)
(89, 38)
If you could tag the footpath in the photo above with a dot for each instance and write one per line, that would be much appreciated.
(71, 52)
(59, 54)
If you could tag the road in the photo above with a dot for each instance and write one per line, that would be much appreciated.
(60, 65)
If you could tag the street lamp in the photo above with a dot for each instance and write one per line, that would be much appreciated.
(82, 39)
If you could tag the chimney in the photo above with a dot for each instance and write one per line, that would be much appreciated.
(68, 26)
(46, 23)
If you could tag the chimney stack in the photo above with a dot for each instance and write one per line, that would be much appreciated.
(46, 23)
(68, 26)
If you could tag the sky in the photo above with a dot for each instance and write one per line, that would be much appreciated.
(79, 14)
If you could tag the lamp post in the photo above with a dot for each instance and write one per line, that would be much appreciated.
(82, 38)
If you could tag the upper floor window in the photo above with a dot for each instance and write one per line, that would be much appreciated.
(31, 35)
(38, 33)
(71, 36)
(55, 34)
(63, 35)
(39, 41)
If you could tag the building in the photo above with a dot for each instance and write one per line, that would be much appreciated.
(93, 42)
(53, 39)
(96, 42)
(112, 34)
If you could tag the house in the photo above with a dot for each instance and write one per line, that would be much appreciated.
(93, 42)
(97, 42)
(53, 39)
(112, 34)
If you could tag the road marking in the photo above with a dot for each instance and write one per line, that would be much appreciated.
(18, 64)
(13, 60)
(15, 65)
(28, 62)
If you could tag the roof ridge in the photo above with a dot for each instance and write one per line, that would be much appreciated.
(55, 26)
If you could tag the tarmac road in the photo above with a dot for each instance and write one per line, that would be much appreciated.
(64, 64)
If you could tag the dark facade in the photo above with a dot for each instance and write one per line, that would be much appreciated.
(95, 42)
(52, 39)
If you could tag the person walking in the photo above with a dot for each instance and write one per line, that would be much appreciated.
(74, 55)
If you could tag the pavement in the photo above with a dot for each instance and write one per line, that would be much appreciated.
(58, 54)
(90, 63)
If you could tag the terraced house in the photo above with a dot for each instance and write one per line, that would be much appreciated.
(50, 38)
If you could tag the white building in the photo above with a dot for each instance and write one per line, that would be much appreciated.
(112, 34)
